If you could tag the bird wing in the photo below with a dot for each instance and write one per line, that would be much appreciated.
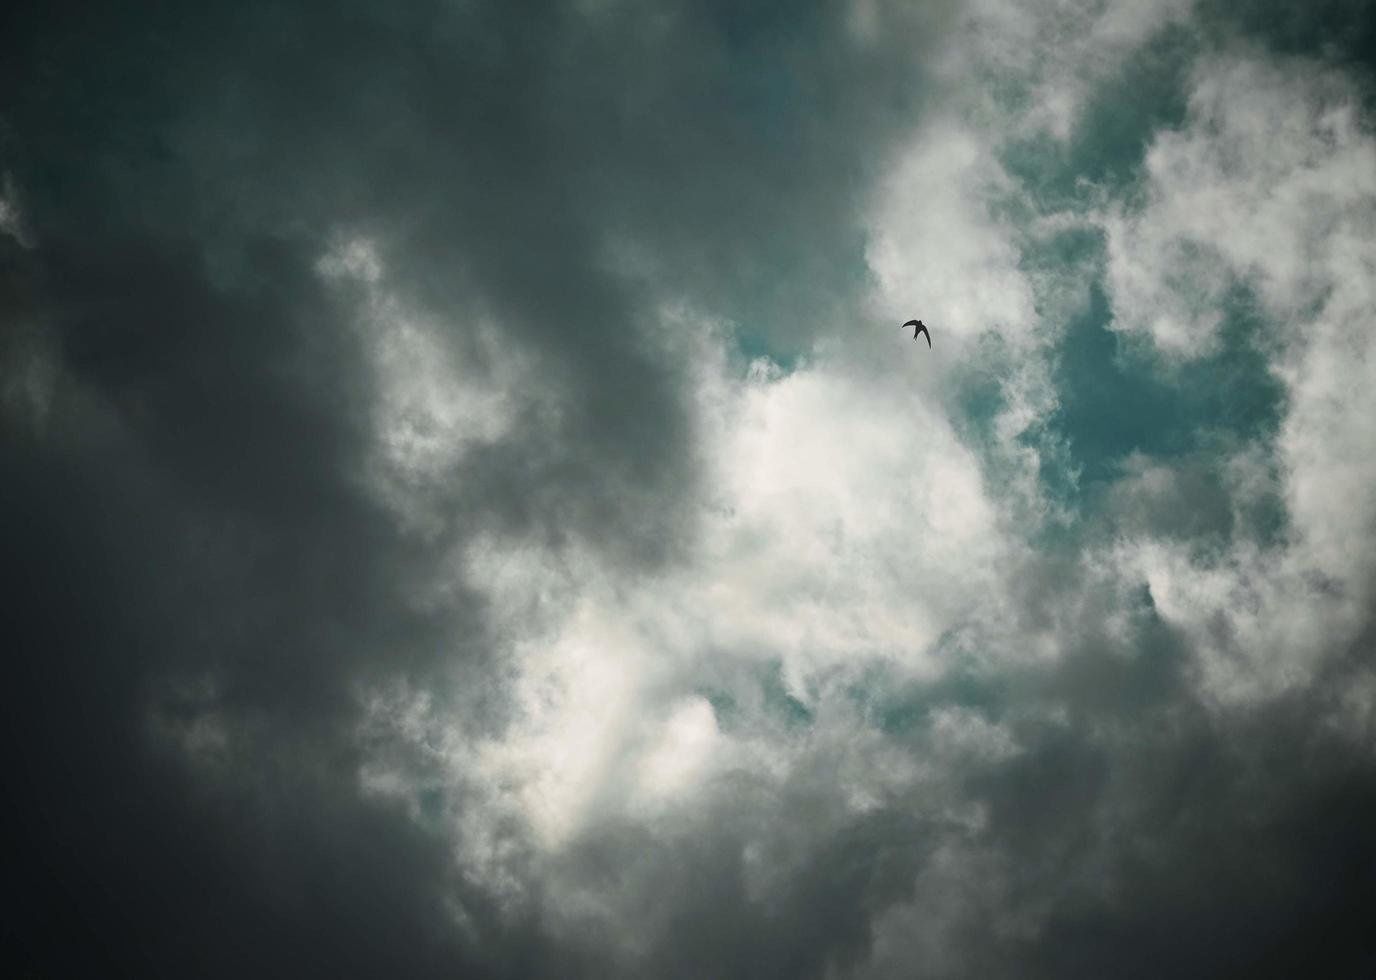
(923, 330)
(910, 323)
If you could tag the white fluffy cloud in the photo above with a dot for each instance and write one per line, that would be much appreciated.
(846, 524)
(843, 528)
(1271, 185)
(936, 249)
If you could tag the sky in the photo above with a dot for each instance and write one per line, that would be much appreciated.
(468, 509)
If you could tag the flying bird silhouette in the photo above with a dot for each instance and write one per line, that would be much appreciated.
(921, 328)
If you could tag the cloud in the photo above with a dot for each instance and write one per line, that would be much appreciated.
(469, 507)
(11, 217)
(1271, 179)
(831, 540)
(936, 250)
(1278, 151)
(1035, 67)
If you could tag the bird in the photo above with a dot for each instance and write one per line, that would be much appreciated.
(921, 328)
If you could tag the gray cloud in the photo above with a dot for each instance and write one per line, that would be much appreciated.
(411, 569)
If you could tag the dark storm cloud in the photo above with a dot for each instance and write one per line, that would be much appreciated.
(186, 536)
(1166, 841)
(1342, 29)
(199, 579)
(188, 521)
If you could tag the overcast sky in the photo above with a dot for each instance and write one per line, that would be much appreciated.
(467, 508)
